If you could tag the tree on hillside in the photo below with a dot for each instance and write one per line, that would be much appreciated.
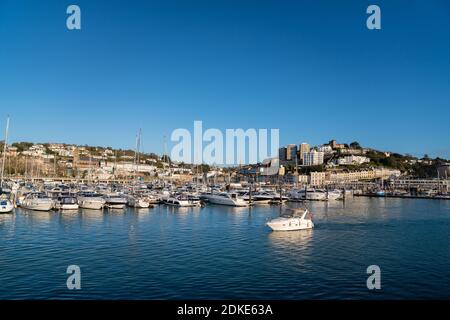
(355, 145)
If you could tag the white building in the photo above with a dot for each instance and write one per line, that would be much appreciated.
(37, 150)
(349, 160)
(127, 167)
(325, 149)
(318, 179)
(313, 158)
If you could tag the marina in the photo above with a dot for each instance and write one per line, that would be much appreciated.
(224, 252)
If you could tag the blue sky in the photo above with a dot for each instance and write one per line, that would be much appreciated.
(310, 68)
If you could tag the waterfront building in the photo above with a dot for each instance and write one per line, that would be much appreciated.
(363, 175)
(318, 179)
(313, 158)
(303, 178)
(444, 171)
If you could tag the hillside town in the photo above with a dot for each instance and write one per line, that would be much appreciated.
(330, 163)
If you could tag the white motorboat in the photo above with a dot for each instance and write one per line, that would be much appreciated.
(153, 198)
(225, 198)
(263, 197)
(308, 194)
(66, 202)
(291, 220)
(5, 206)
(91, 200)
(316, 195)
(334, 194)
(115, 201)
(138, 202)
(178, 201)
(37, 201)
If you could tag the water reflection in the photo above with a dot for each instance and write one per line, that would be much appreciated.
(69, 215)
(291, 239)
(141, 211)
(179, 210)
(7, 225)
(114, 211)
(38, 216)
(90, 215)
(6, 218)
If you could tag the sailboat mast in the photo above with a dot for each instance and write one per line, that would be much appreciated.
(4, 151)
(135, 155)
(165, 155)
(138, 151)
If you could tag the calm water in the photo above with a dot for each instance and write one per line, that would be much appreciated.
(227, 253)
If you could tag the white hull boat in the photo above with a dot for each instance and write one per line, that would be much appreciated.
(292, 222)
(226, 199)
(66, 203)
(310, 194)
(6, 206)
(177, 203)
(37, 202)
(115, 201)
(334, 195)
(136, 202)
(91, 201)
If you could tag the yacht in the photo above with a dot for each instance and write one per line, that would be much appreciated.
(291, 220)
(66, 202)
(138, 202)
(178, 201)
(172, 201)
(115, 201)
(267, 197)
(195, 200)
(225, 198)
(308, 194)
(37, 201)
(90, 200)
(334, 194)
(153, 198)
(5, 206)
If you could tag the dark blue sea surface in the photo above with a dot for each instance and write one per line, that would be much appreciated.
(220, 252)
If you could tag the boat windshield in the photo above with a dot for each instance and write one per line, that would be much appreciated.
(293, 213)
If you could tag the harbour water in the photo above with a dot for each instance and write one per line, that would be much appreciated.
(219, 252)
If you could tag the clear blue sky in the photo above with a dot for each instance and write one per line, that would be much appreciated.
(310, 68)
